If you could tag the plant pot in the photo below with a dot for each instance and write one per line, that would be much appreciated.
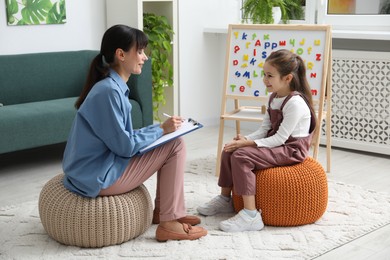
(277, 14)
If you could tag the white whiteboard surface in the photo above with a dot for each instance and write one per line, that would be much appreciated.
(249, 46)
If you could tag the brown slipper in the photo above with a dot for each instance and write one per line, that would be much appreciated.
(191, 233)
(189, 219)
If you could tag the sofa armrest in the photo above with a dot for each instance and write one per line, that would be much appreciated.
(141, 91)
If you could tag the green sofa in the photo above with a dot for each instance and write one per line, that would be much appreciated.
(38, 92)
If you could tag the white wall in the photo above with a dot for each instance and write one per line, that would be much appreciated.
(86, 23)
(201, 61)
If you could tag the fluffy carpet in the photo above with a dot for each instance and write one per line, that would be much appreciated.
(351, 213)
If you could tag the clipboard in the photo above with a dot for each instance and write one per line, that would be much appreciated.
(186, 127)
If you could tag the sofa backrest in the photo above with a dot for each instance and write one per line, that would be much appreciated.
(43, 76)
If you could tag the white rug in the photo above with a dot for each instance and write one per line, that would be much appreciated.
(352, 212)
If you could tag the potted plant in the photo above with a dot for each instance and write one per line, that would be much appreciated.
(260, 11)
(159, 49)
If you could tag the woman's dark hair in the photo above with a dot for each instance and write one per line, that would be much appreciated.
(117, 37)
(286, 63)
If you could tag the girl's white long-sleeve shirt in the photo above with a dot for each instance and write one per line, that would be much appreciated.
(296, 123)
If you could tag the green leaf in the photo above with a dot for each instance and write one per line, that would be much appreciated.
(22, 22)
(167, 46)
(35, 11)
(57, 14)
(12, 8)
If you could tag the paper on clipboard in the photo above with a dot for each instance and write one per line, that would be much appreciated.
(186, 127)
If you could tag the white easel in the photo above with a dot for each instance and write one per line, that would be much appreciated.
(247, 48)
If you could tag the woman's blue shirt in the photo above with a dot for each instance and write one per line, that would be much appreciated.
(102, 139)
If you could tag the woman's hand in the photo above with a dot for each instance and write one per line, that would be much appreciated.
(238, 142)
(171, 124)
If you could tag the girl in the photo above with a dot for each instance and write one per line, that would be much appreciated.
(100, 157)
(283, 139)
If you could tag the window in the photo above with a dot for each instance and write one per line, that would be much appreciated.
(373, 15)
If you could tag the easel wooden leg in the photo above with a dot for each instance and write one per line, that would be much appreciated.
(316, 143)
(238, 127)
(219, 148)
(329, 113)
(328, 143)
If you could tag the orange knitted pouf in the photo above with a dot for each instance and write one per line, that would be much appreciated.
(290, 195)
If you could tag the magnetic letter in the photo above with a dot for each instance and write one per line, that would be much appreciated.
(317, 42)
(302, 42)
(247, 44)
(274, 45)
(318, 56)
(236, 48)
(266, 45)
(236, 35)
(258, 43)
(252, 62)
(238, 74)
(245, 57)
(309, 50)
(264, 54)
(249, 82)
(310, 65)
(235, 62)
(266, 36)
(292, 42)
(232, 87)
(244, 35)
(282, 43)
(247, 75)
(254, 36)
(299, 51)
(314, 92)
(313, 75)
(256, 93)
(242, 88)
(255, 74)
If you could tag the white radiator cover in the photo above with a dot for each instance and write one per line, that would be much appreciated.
(360, 101)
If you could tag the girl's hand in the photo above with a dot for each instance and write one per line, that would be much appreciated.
(239, 137)
(171, 124)
(238, 142)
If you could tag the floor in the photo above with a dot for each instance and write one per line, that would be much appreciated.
(22, 175)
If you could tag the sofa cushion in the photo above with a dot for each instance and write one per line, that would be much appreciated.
(43, 76)
(35, 124)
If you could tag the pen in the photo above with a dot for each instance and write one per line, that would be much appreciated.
(165, 114)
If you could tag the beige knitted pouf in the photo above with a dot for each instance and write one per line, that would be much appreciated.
(93, 222)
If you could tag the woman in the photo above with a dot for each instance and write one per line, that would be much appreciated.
(101, 156)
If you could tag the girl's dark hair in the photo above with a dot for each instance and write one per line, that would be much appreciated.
(286, 63)
(117, 37)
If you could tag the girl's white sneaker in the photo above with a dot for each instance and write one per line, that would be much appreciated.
(242, 222)
(215, 206)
